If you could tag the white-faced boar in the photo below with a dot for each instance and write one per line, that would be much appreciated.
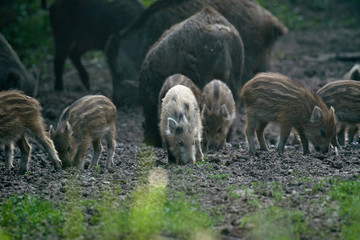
(274, 97)
(180, 126)
(126, 50)
(344, 96)
(218, 113)
(206, 47)
(178, 79)
(20, 118)
(82, 25)
(13, 74)
(85, 122)
(353, 74)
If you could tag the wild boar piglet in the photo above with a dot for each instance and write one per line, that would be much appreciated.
(344, 96)
(218, 113)
(274, 97)
(86, 121)
(20, 118)
(180, 126)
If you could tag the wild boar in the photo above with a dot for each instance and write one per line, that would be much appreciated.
(274, 97)
(353, 74)
(13, 74)
(20, 118)
(218, 113)
(126, 50)
(180, 126)
(86, 121)
(206, 47)
(344, 96)
(82, 25)
(178, 79)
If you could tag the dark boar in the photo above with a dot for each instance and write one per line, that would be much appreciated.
(344, 96)
(20, 118)
(178, 79)
(13, 74)
(274, 97)
(180, 125)
(126, 50)
(85, 121)
(203, 47)
(82, 25)
(218, 113)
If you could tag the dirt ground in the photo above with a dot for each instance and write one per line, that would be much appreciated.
(310, 57)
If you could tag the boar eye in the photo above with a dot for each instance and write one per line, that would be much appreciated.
(219, 130)
(322, 133)
(180, 143)
(68, 148)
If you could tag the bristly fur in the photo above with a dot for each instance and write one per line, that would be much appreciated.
(180, 126)
(344, 97)
(20, 118)
(275, 97)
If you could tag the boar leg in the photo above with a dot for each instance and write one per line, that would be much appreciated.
(199, 154)
(25, 154)
(304, 142)
(75, 57)
(80, 155)
(97, 151)
(48, 145)
(260, 135)
(341, 135)
(284, 135)
(171, 157)
(111, 145)
(9, 156)
(351, 132)
(250, 134)
(62, 47)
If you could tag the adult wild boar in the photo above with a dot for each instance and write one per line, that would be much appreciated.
(203, 47)
(82, 25)
(126, 50)
(13, 74)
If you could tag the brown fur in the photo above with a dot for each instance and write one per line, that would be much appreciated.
(13, 74)
(218, 113)
(86, 121)
(20, 118)
(180, 125)
(206, 47)
(344, 97)
(126, 50)
(178, 79)
(275, 97)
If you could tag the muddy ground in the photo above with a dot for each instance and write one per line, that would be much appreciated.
(308, 56)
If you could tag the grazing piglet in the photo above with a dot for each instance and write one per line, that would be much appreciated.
(180, 125)
(344, 96)
(275, 97)
(178, 79)
(20, 118)
(85, 121)
(218, 113)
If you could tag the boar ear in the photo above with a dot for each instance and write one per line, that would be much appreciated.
(51, 131)
(316, 115)
(68, 128)
(204, 110)
(171, 125)
(224, 111)
(355, 75)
